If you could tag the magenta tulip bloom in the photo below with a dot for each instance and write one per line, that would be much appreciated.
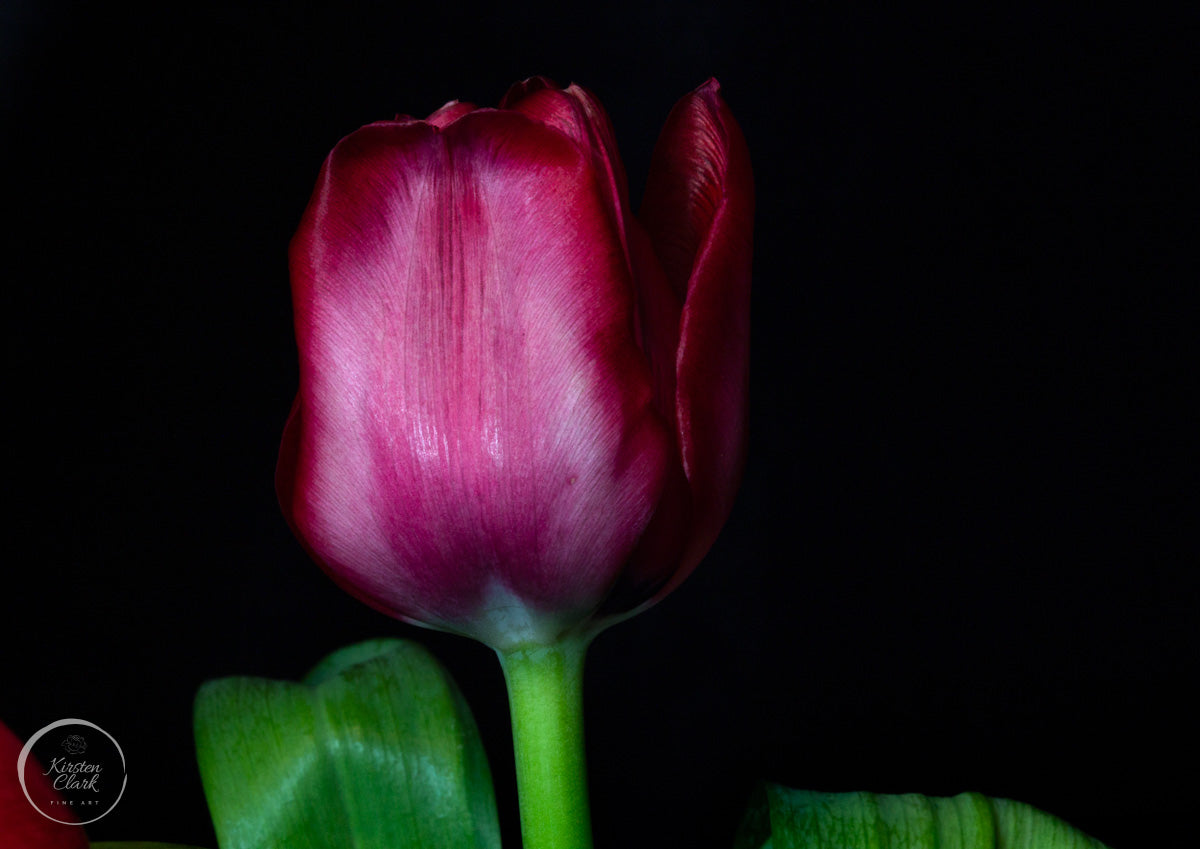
(522, 410)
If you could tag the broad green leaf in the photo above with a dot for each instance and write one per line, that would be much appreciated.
(375, 750)
(780, 818)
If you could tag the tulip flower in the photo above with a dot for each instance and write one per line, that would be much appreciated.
(522, 409)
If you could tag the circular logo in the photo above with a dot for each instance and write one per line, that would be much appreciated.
(81, 762)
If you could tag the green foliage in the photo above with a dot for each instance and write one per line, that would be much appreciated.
(375, 750)
(780, 818)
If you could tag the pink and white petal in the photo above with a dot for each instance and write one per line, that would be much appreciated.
(479, 446)
(699, 211)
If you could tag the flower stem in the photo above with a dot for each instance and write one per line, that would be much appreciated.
(545, 697)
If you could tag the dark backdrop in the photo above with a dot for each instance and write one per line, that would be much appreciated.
(964, 553)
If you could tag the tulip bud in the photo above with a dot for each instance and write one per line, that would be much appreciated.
(522, 410)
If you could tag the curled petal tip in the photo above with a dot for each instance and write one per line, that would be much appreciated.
(539, 81)
(449, 113)
(526, 87)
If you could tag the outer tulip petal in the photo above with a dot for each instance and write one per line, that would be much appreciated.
(657, 558)
(576, 113)
(478, 448)
(651, 570)
(285, 472)
(450, 113)
(699, 209)
(20, 823)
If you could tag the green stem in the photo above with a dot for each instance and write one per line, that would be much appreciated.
(545, 696)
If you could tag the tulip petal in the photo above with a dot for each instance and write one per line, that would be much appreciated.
(450, 113)
(652, 566)
(699, 210)
(577, 114)
(20, 823)
(478, 448)
(285, 466)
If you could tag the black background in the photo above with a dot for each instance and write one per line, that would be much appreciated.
(964, 553)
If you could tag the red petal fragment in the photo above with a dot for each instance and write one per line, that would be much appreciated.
(20, 823)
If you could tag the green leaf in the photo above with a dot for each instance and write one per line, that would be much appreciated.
(375, 750)
(779, 818)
